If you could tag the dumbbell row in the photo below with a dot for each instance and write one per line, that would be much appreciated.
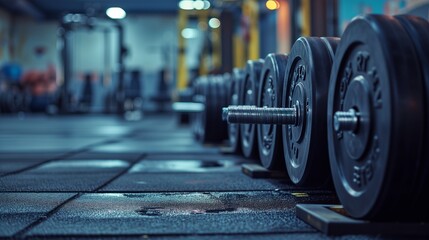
(349, 120)
(343, 120)
(359, 100)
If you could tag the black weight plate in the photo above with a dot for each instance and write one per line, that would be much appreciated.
(376, 72)
(198, 119)
(224, 84)
(194, 117)
(214, 130)
(418, 30)
(227, 80)
(332, 44)
(208, 132)
(217, 127)
(306, 84)
(270, 95)
(249, 96)
(235, 91)
(210, 101)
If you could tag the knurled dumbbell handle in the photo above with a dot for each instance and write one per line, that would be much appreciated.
(259, 115)
(346, 120)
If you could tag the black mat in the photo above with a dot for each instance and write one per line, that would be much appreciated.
(165, 182)
(19, 210)
(172, 213)
(59, 182)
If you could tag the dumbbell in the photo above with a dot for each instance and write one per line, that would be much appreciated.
(249, 97)
(270, 95)
(236, 82)
(210, 94)
(418, 30)
(378, 118)
(302, 111)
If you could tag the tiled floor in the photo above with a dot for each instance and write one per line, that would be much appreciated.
(98, 176)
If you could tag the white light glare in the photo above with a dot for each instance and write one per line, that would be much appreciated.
(116, 13)
(196, 4)
(186, 4)
(206, 4)
(199, 4)
(214, 23)
(189, 33)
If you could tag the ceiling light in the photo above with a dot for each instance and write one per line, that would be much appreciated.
(189, 33)
(206, 4)
(116, 13)
(186, 4)
(68, 18)
(214, 23)
(199, 4)
(194, 4)
(272, 4)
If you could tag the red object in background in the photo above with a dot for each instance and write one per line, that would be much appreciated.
(40, 82)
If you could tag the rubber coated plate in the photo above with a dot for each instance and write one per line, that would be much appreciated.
(418, 30)
(196, 117)
(306, 87)
(211, 102)
(213, 129)
(199, 119)
(227, 80)
(331, 43)
(220, 127)
(249, 96)
(270, 90)
(235, 91)
(377, 74)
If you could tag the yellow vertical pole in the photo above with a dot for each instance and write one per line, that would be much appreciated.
(182, 70)
(253, 50)
(202, 23)
(283, 27)
(239, 55)
(306, 17)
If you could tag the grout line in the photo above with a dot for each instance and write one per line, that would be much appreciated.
(324, 192)
(44, 217)
(160, 235)
(60, 157)
(123, 172)
(57, 158)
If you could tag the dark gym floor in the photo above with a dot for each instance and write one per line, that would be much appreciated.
(82, 176)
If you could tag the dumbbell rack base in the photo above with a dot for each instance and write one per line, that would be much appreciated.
(332, 220)
(257, 171)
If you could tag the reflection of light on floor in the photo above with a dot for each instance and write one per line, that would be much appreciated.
(111, 130)
(86, 163)
(180, 165)
(111, 195)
